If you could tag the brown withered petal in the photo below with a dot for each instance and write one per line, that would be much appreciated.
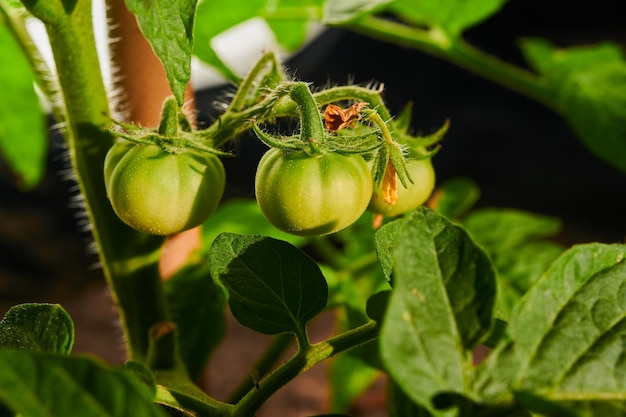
(333, 117)
(389, 187)
(337, 118)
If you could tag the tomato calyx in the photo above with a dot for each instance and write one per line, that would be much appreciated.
(174, 134)
(319, 135)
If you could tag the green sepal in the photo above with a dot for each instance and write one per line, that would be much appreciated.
(379, 165)
(175, 134)
(399, 164)
(289, 143)
(418, 143)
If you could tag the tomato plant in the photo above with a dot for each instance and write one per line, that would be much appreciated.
(459, 309)
(412, 196)
(312, 195)
(159, 192)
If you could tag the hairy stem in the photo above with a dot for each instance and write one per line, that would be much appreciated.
(458, 52)
(304, 360)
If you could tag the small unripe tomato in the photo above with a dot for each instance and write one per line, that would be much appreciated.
(414, 195)
(312, 195)
(162, 193)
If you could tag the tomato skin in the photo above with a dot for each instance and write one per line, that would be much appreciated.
(312, 196)
(417, 193)
(162, 193)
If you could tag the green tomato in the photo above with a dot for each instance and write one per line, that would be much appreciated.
(312, 196)
(162, 193)
(414, 195)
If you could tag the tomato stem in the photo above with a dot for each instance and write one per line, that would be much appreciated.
(301, 362)
(311, 124)
(248, 84)
(168, 125)
(458, 52)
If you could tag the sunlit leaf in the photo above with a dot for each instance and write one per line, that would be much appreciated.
(168, 26)
(288, 19)
(341, 11)
(452, 16)
(23, 135)
(440, 307)
(565, 341)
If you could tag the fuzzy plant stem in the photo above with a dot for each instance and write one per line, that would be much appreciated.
(129, 258)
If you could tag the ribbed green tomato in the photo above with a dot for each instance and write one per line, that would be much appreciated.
(312, 196)
(423, 175)
(162, 193)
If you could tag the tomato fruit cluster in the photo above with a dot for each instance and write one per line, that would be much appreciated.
(312, 195)
(159, 192)
(414, 195)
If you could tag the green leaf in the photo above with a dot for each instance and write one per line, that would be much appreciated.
(168, 26)
(515, 242)
(589, 89)
(23, 135)
(451, 16)
(37, 327)
(272, 286)
(342, 11)
(455, 197)
(288, 19)
(440, 307)
(37, 385)
(197, 307)
(565, 340)
(243, 216)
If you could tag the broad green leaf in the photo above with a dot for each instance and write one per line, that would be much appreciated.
(451, 16)
(589, 90)
(455, 197)
(215, 17)
(565, 340)
(515, 242)
(342, 11)
(168, 26)
(37, 327)
(37, 385)
(272, 286)
(243, 216)
(288, 19)
(197, 306)
(23, 135)
(440, 307)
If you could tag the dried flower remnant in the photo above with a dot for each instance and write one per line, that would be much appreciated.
(337, 118)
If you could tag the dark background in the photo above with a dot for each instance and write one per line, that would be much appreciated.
(520, 153)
